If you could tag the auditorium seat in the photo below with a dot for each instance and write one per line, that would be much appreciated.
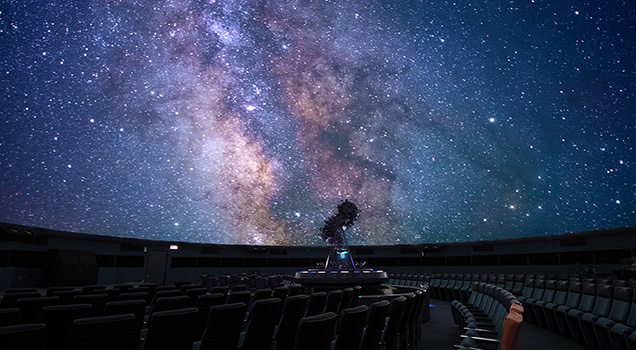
(104, 333)
(23, 337)
(316, 303)
(113, 293)
(408, 311)
(98, 301)
(374, 326)
(618, 314)
(193, 295)
(350, 327)
(333, 300)
(602, 307)
(559, 298)
(293, 310)
(148, 290)
(225, 290)
(507, 340)
(135, 296)
(9, 316)
(240, 296)
(171, 303)
(66, 296)
(151, 286)
(573, 302)
(238, 287)
(10, 300)
(263, 293)
(171, 330)
(123, 287)
(537, 291)
(280, 293)
(588, 299)
(345, 299)
(59, 320)
(90, 289)
(135, 307)
(517, 287)
(389, 338)
(222, 327)
(163, 294)
(184, 288)
(30, 308)
(262, 320)
(619, 333)
(549, 291)
(51, 290)
(315, 332)
(203, 305)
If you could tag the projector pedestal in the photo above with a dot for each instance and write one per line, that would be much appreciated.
(325, 279)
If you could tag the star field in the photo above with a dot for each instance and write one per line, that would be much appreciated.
(247, 122)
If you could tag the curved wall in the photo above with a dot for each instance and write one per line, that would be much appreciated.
(35, 257)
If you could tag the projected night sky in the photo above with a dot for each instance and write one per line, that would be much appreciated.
(247, 122)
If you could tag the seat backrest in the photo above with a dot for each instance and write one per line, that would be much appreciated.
(395, 316)
(316, 303)
(350, 326)
(376, 320)
(97, 300)
(122, 307)
(223, 326)
(170, 303)
(59, 320)
(193, 295)
(135, 296)
(293, 310)
(603, 302)
(9, 317)
(528, 287)
(104, 333)
(24, 336)
(345, 299)
(263, 293)
(280, 292)
(171, 330)
(315, 332)
(10, 300)
(163, 294)
(620, 304)
(561, 293)
(30, 308)
(113, 293)
(574, 294)
(223, 289)
(263, 317)
(239, 296)
(550, 291)
(51, 290)
(333, 300)
(539, 289)
(588, 297)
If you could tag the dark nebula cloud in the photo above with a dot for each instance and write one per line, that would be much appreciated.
(247, 122)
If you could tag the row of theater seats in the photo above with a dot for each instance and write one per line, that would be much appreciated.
(490, 319)
(601, 315)
(190, 317)
(597, 312)
(252, 281)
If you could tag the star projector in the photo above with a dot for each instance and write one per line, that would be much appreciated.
(340, 269)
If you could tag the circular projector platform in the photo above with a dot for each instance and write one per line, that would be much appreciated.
(333, 278)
